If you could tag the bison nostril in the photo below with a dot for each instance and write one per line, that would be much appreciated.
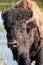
(15, 43)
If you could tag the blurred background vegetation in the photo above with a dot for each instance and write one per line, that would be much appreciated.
(2, 60)
(39, 2)
(10, 3)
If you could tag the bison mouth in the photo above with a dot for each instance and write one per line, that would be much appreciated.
(13, 44)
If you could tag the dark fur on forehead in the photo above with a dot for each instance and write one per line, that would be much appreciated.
(17, 14)
(14, 15)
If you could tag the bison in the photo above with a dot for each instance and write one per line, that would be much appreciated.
(23, 35)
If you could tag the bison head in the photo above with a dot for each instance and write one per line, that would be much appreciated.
(15, 25)
(22, 32)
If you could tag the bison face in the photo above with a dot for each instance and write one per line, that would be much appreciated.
(15, 25)
(22, 31)
(18, 31)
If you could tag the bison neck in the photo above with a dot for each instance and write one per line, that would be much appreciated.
(20, 59)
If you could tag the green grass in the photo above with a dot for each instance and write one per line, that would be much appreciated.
(10, 1)
(5, 6)
(39, 2)
(2, 29)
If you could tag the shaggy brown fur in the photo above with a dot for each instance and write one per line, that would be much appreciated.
(38, 14)
(23, 34)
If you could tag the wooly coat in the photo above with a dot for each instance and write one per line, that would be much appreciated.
(23, 35)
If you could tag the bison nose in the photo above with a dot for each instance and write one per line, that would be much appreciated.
(13, 44)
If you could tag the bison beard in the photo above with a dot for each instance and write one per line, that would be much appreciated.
(22, 35)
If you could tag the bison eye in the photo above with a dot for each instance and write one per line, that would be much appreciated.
(23, 29)
(30, 26)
